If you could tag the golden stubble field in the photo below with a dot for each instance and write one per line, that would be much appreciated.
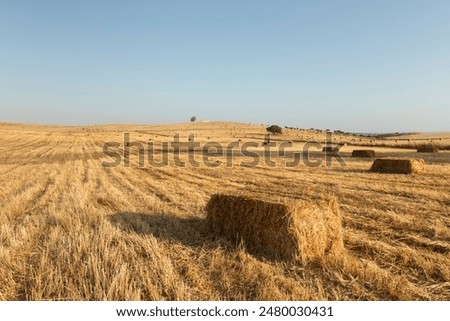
(72, 229)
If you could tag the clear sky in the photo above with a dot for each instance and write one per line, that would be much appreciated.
(366, 66)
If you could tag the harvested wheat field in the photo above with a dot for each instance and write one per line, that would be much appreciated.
(72, 229)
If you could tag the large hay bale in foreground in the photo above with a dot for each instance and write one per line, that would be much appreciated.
(363, 153)
(302, 230)
(428, 149)
(398, 166)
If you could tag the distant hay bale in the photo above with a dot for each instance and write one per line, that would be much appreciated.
(303, 231)
(328, 149)
(428, 149)
(363, 153)
(398, 166)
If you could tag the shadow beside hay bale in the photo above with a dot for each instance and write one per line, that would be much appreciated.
(303, 231)
(398, 166)
(363, 153)
(192, 231)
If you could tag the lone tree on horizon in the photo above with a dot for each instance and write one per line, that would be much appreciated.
(193, 119)
(275, 129)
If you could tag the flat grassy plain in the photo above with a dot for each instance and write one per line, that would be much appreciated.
(72, 229)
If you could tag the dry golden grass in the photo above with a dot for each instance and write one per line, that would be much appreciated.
(71, 229)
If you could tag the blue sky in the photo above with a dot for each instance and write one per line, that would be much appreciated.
(367, 66)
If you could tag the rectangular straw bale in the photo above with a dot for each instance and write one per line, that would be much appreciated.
(328, 149)
(427, 149)
(363, 153)
(398, 166)
(303, 230)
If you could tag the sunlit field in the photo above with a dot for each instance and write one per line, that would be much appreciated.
(72, 228)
